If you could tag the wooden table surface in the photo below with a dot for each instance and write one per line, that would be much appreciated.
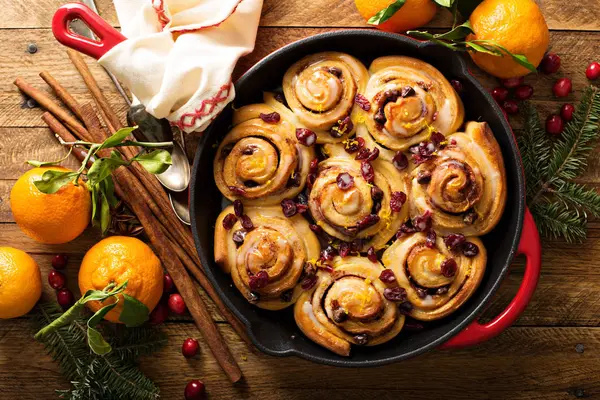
(552, 352)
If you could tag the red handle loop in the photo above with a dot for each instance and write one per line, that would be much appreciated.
(108, 37)
(477, 333)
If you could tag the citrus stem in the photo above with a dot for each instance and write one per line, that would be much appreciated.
(65, 319)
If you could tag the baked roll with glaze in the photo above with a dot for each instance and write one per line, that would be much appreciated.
(320, 90)
(353, 199)
(348, 306)
(437, 279)
(409, 100)
(260, 161)
(463, 186)
(266, 258)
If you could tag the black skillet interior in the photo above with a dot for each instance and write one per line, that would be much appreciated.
(276, 333)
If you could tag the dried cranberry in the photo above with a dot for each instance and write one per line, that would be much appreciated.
(239, 236)
(423, 177)
(423, 222)
(288, 207)
(308, 282)
(259, 281)
(344, 249)
(457, 85)
(314, 165)
(286, 296)
(470, 249)
(247, 223)
(380, 117)
(387, 276)
(397, 201)
(371, 254)
(405, 229)
(328, 253)
(327, 268)
(279, 97)
(437, 138)
(271, 118)
(306, 136)
(294, 180)
(449, 267)
(361, 339)
(367, 171)
(356, 245)
(345, 181)
(442, 290)
(376, 208)
(229, 221)
(310, 180)
(362, 102)
(368, 221)
(426, 149)
(376, 193)
(237, 191)
(422, 293)
(454, 241)
(352, 146)
(395, 294)
(238, 208)
(248, 151)
(363, 154)
(316, 228)
(335, 71)
(301, 208)
(408, 91)
(373, 155)
(430, 239)
(339, 315)
(470, 217)
(342, 127)
(400, 161)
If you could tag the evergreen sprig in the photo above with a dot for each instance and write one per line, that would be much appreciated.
(102, 377)
(560, 206)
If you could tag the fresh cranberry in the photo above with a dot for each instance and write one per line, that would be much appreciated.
(328, 253)
(454, 241)
(259, 281)
(176, 304)
(500, 94)
(512, 83)
(362, 102)
(566, 112)
(159, 314)
(344, 249)
(368, 221)
(352, 146)
(423, 222)
(397, 201)
(367, 171)
(470, 249)
(229, 220)
(195, 390)
(395, 294)
(550, 63)
(554, 125)
(449, 267)
(247, 223)
(562, 87)
(289, 207)
(511, 107)
(59, 261)
(430, 239)
(376, 193)
(457, 85)
(306, 136)
(238, 208)
(345, 181)
(524, 92)
(271, 118)
(190, 348)
(593, 71)
(56, 279)
(387, 276)
(168, 284)
(65, 298)
(400, 161)
(371, 254)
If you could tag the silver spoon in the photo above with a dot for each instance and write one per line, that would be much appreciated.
(179, 202)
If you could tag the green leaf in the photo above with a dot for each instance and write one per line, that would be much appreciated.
(117, 137)
(104, 213)
(420, 35)
(484, 49)
(97, 342)
(94, 193)
(445, 3)
(108, 188)
(386, 13)
(458, 33)
(523, 61)
(102, 168)
(155, 162)
(49, 163)
(134, 313)
(52, 181)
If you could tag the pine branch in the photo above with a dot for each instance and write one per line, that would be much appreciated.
(557, 220)
(135, 342)
(535, 150)
(578, 196)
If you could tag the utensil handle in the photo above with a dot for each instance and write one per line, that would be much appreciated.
(108, 37)
(476, 332)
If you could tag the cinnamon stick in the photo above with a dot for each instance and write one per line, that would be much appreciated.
(62, 93)
(62, 133)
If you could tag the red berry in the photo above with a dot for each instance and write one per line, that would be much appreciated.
(524, 92)
(500, 94)
(593, 71)
(56, 280)
(65, 298)
(176, 304)
(550, 63)
(190, 347)
(566, 112)
(512, 83)
(168, 284)
(562, 87)
(59, 261)
(159, 314)
(457, 85)
(554, 125)
(195, 390)
(511, 107)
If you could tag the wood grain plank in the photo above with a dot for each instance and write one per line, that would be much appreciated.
(522, 363)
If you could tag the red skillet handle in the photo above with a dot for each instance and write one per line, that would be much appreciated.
(477, 333)
(108, 37)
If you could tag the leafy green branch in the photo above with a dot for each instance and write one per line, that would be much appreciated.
(462, 7)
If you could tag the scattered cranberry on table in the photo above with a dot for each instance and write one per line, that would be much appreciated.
(65, 298)
(566, 112)
(190, 347)
(511, 107)
(512, 83)
(593, 71)
(159, 314)
(550, 63)
(56, 280)
(500, 94)
(59, 261)
(554, 125)
(176, 304)
(168, 284)
(524, 92)
(195, 390)
(562, 87)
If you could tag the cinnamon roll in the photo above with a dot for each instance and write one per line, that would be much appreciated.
(358, 199)
(438, 275)
(462, 186)
(408, 100)
(265, 253)
(320, 89)
(349, 306)
(261, 161)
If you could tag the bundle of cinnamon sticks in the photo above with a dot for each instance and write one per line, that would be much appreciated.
(145, 197)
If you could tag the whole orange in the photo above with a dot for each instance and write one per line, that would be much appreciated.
(518, 25)
(50, 218)
(117, 259)
(20, 283)
(414, 13)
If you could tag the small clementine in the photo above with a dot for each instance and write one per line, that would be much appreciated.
(20, 283)
(414, 13)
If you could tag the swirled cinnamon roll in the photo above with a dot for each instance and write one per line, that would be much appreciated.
(358, 199)
(261, 161)
(438, 276)
(265, 253)
(350, 305)
(320, 89)
(408, 100)
(463, 185)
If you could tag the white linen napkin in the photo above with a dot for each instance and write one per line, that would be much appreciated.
(180, 54)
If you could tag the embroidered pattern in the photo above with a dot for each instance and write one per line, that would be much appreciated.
(207, 106)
